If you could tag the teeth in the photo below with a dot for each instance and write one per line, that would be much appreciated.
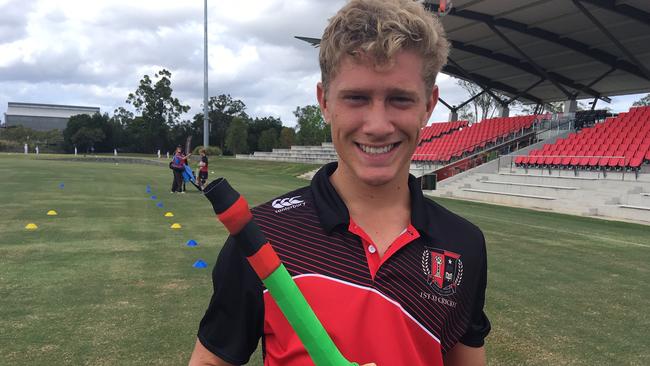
(376, 150)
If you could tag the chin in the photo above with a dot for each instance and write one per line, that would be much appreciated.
(376, 179)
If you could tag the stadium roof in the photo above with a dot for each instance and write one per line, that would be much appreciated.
(544, 51)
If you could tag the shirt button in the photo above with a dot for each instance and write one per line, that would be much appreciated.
(371, 249)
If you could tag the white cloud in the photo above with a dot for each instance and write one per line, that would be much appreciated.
(95, 52)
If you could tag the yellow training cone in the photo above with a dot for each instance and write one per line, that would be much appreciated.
(169, 214)
(31, 226)
(176, 226)
(51, 213)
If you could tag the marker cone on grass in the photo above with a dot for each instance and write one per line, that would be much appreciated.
(159, 204)
(169, 214)
(176, 226)
(191, 243)
(200, 264)
(31, 226)
(51, 213)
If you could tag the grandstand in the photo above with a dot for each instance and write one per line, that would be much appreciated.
(437, 129)
(600, 171)
(465, 141)
(621, 142)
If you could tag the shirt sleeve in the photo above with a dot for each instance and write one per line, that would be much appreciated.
(479, 326)
(234, 321)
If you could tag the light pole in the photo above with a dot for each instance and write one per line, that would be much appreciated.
(206, 125)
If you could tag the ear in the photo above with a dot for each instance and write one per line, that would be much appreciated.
(322, 102)
(431, 103)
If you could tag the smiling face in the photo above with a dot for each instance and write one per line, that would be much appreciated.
(376, 114)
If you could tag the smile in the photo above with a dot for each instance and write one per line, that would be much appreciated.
(374, 150)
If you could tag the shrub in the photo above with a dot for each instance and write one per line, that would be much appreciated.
(210, 151)
(12, 146)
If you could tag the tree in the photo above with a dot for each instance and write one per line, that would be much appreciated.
(236, 136)
(110, 133)
(312, 129)
(268, 140)
(645, 101)
(181, 131)
(53, 139)
(287, 137)
(122, 116)
(86, 137)
(159, 109)
(482, 107)
(551, 107)
(259, 125)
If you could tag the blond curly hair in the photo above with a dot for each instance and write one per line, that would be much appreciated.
(378, 29)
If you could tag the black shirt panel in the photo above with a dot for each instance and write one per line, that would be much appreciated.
(308, 228)
(440, 229)
(233, 323)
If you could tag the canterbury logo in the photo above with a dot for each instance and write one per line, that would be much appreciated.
(286, 202)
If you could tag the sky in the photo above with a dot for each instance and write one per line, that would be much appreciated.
(94, 53)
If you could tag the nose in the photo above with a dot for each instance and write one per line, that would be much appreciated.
(378, 122)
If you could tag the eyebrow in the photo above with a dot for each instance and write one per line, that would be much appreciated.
(391, 91)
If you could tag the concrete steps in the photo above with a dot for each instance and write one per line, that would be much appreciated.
(586, 195)
(322, 154)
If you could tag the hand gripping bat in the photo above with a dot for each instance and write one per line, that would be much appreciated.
(233, 212)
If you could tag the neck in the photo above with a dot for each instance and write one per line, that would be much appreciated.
(366, 201)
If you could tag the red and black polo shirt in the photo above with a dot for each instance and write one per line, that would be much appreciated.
(408, 307)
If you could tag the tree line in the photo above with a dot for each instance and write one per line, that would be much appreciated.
(158, 124)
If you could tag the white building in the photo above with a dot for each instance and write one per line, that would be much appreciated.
(43, 117)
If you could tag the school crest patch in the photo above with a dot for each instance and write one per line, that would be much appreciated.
(443, 269)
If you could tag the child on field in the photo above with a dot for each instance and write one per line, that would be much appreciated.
(203, 168)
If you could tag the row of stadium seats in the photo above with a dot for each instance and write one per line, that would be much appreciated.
(471, 139)
(438, 129)
(618, 143)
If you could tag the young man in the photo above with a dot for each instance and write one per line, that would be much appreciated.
(394, 278)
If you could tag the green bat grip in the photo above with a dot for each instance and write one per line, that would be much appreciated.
(295, 308)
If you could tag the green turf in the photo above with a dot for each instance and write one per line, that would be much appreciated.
(107, 282)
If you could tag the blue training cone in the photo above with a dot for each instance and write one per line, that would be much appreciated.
(61, 185)
(148, 189)
(191, 243)
(154, 197)
(200, 264)
(159, 204)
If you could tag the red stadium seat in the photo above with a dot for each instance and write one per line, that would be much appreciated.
(594, 160)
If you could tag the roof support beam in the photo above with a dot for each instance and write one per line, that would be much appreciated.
(467, 75)
(522, 65)
(622, 9)
(516, 96)
(446, 104)
(613, 39)
(601, 77)
(487, 82)
(576, 46)
(470, 99)
(530, 60)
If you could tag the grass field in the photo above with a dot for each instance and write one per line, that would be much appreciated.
(107, 282)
